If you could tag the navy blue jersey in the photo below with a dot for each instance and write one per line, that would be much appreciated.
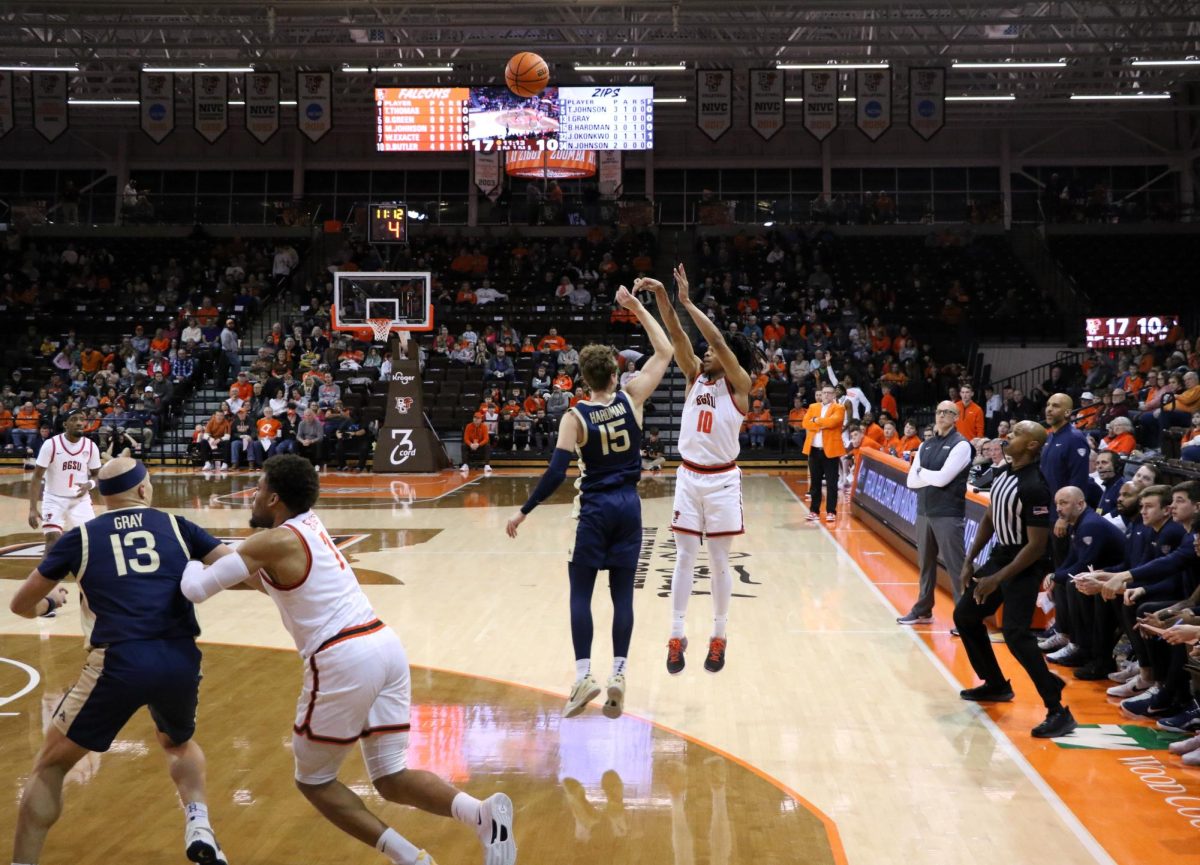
(130, 563)
(610, 456)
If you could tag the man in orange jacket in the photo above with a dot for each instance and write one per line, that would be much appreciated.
(824, 450)
(476, 445)
(970, 415)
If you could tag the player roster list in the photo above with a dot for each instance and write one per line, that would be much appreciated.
(606, 118)
(421, 119)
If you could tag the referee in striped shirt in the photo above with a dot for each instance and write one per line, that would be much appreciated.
(1019, 518)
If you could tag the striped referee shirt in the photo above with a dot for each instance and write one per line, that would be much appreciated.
(1020, 500)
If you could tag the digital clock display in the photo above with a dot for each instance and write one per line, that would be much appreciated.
(1128, 331)
(388, 224)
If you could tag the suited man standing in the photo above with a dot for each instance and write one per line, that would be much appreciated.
(824, 448)
(939, 475)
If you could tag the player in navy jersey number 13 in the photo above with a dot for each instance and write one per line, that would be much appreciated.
(605, 431)
(708, 485)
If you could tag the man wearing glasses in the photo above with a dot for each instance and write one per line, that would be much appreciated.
(939, 475)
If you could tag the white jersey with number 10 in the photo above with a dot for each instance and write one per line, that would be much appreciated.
(708, 432)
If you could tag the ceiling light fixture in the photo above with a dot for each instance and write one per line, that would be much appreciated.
(834, 66)
(185, 70)
(1132, 97)
(103, 102)
(998, 97)
(359, 70)
(1015, 64)
(670, 100)
(681, 67)
(74, 68)
(1190, 61)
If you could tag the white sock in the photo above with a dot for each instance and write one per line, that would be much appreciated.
(678, 625)
(618, 666)
(466, 809)
(397, 848)
(196, 811)
(719, 623)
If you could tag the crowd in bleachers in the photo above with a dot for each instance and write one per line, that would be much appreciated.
(121, 329)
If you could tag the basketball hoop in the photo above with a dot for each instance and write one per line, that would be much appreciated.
(380, 328)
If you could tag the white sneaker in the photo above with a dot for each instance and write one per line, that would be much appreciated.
(207, 467)
(201, 844)
(495, 829)
(1129, 689)
(583, 692)
(1067, 650)
(487, 470)
(615, 704)
(1053, 642)
(1129, 671)
(220, 466)
(463, 468)
(1184, 746)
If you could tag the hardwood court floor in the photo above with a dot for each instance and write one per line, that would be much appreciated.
(822, 694)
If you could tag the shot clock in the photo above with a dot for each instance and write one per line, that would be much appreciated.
(388, 224)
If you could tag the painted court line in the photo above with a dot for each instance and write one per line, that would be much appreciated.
(1002, 741)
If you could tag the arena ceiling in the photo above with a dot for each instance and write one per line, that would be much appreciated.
(1098, 42)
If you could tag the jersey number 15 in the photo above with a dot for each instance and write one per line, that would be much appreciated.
(614, 438)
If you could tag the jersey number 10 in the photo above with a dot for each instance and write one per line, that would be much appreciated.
(704, 422)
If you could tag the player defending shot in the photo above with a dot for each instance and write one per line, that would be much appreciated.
(68, 463)
(606, 432)
(356, 682)
(708, 485)
(141, 647)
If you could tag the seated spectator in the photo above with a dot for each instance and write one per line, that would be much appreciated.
(500, 370)
(757, 423)
(25, 429)
(476, 444)
(487, 294)
(652, 452)
(268, 429)
(1120, 439)
(329, 392)
(309, 437)
(243, 432)
(557, 403)
(568, 360)
(214, 442)
(1190, 451)
(353, 440)
(563, 382)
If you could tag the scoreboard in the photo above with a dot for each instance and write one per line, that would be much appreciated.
(457, 119)
(1128, 331)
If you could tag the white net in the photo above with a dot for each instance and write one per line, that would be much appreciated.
(380, 328)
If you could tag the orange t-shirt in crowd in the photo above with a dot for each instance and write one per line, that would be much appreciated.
(268, 427)
(563, 381)
(551, 343)
(1086, 419)
(1133, 384)
(245, 390)
(509, 411)
(759, 418)
(887, 402)
(970, 420)
(910, 443)
(796, 418)
(28, 418)
(528, 349)
(90, 360)
(207, 316)
(898, 343)
(92, 424)
(1187, 436)
(880, 342)
(892, 445)
(475, 434)
(534, 404)
(1122, 444)
(6, 418)
(163, 345)
(774, 332)
(465, 295)
(1188, 400)
(870, 444)
(875, 433)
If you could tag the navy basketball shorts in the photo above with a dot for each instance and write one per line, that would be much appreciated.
(609, 533)
(119, 679)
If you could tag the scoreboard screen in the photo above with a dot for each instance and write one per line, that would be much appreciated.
(388, 223)
(440, 119)
(1126, 331)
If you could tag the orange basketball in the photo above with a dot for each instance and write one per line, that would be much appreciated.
(526, 74)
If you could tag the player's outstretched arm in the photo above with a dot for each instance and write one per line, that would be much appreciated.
(738, 377)
(685, 355)
(641, 388)
(569, 433)
(277, 552)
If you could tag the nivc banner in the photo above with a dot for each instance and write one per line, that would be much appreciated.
(714, 101)
(873, 101)
(210, 104)
(262, 105)
(314, 104)
(157, 104)
(766, 102)
(927, 100)
(50, 104)
(7, 111)
(610, 168)
(820, 102)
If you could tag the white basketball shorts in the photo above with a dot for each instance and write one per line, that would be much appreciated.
(60, 513)
(708, 503)
(357, 688)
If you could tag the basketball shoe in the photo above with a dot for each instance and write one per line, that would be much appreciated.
(495, 828)
(716, 655)
(615, 703)
(201, 844)
(676, 646)
(585, 690)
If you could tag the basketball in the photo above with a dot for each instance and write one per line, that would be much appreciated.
(526, 74)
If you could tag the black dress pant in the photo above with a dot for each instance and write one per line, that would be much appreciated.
(823, 468)
(1019, 596)
(1129, 616)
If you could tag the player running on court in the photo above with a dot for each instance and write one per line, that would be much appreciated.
(357, 686)
(708, 485)
(68, 462)
(605, 431)
(142, 651)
